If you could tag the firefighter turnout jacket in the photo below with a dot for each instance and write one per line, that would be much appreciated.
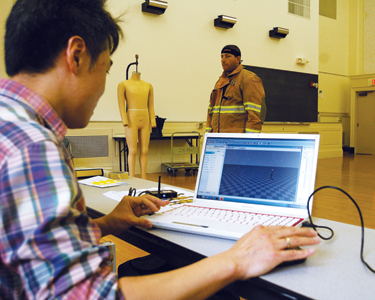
(237, 103)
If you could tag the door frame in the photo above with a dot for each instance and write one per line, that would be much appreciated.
(361, 119)
(358, 84)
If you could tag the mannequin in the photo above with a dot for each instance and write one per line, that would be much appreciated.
(136, 103)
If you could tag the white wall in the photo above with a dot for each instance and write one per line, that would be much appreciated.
(334, 83)
(369, 41)
(334, 41)
(356, 37)
(179, 51)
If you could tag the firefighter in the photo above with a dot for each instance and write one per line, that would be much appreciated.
(237, 102)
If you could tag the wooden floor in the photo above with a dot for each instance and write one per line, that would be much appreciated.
(353, 173)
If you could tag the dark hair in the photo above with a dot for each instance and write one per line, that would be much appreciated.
(38, 30)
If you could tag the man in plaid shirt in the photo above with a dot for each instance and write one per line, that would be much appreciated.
(57, 54)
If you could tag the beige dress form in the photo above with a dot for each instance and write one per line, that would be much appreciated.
(136, 103)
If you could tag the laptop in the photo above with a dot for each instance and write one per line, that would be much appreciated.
(255, 177)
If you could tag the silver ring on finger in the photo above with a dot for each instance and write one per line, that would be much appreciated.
(287, 239)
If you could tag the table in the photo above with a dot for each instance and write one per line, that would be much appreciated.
(334, 272)
(123, 147)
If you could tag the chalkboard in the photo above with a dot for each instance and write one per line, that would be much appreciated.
(289, 95)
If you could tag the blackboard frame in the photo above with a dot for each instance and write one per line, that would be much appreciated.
(289, 95)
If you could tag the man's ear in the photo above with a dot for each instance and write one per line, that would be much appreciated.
(75, 53)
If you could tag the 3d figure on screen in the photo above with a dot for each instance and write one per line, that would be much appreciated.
(136, 103)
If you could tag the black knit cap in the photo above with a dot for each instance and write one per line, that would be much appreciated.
(232, 49)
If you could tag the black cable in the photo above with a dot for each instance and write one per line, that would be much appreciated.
(360, 216)
(145, 192)
(132, 192)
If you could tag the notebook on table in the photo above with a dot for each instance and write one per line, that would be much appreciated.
(247, 179)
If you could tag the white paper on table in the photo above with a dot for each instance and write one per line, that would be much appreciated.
(101, 182)
(116, 195)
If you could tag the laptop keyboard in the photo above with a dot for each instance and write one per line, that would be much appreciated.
(232, 216)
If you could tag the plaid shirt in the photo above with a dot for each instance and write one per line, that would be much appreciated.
(48, 245)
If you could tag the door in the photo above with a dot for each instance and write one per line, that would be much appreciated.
(365, 142)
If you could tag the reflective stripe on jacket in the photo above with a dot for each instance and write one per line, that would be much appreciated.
(240, 108)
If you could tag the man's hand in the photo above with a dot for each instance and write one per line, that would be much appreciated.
(127, 213)
(256, 253)
(263, 248)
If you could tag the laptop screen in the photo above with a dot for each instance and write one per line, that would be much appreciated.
(267, 170)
